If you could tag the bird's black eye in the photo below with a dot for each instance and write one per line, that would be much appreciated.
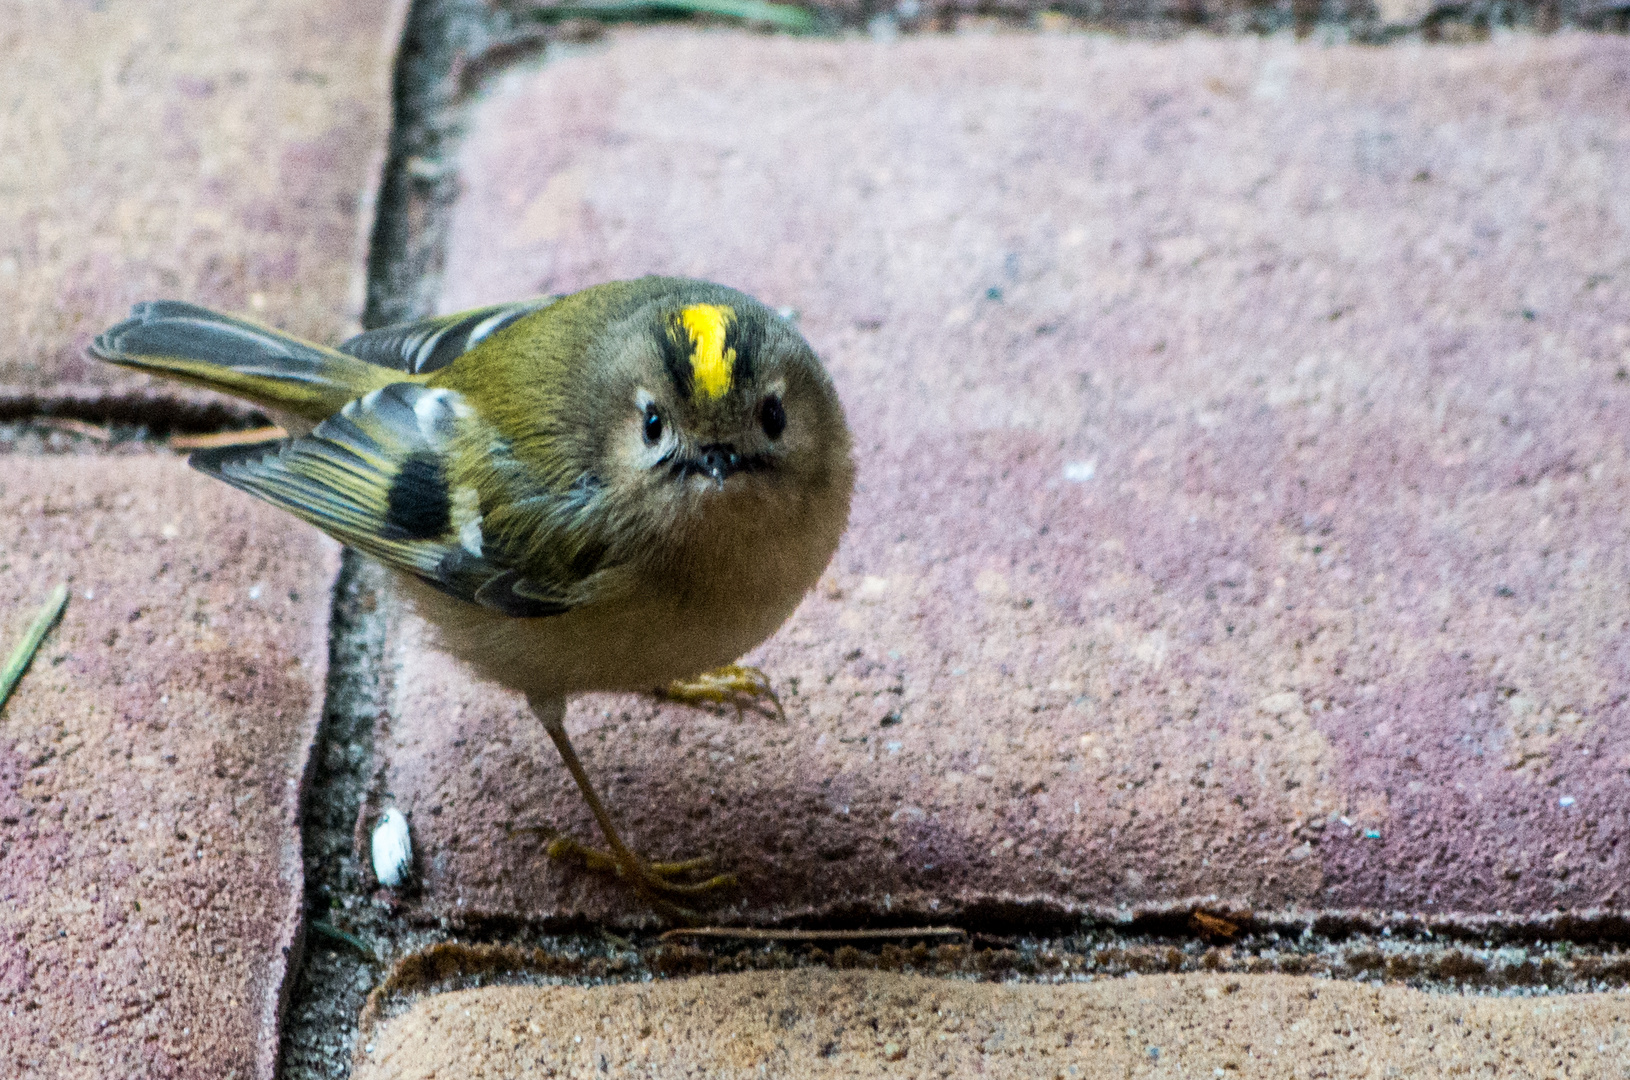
(653, 426)
(773, 415)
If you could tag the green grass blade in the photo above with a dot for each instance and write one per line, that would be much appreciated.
(334, 933)
(18, 661)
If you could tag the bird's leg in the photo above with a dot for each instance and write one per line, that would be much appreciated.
(733, 684)
(653, 879)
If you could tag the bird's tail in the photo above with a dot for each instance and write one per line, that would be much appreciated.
(243, 358)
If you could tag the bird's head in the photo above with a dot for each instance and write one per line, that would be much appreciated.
(720, 405)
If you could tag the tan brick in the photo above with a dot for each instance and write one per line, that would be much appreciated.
(809, 1024)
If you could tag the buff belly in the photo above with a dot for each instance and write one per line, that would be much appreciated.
(640, 642)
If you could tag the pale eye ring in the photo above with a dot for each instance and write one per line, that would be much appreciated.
(651, 426)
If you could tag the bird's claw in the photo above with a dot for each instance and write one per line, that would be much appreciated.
(734, 684)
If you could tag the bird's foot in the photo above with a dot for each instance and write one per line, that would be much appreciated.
(657, 879)
(734, 684)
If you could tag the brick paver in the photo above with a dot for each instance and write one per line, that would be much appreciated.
(150, 767)
(1242, 472)
(225, 153)
(831, 1024)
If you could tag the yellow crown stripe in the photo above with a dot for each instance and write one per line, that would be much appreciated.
(711, 363)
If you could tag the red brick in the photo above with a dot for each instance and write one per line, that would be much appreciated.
(224, 153)
(1242, 473)
(150, 768)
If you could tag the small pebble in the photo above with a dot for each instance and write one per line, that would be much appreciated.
(392, 849)
(1079, 472)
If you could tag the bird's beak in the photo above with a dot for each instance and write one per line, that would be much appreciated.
(719, 460)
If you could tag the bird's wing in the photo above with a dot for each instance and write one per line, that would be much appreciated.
(418, 348)
(375, 476)
(239, 356)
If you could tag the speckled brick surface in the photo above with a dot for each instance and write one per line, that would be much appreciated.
(223, 153)
(829, 1024)
(1242, 473)
(150, 764)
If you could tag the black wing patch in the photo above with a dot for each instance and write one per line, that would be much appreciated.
(375, 476)
(419, 348)
(418, 506)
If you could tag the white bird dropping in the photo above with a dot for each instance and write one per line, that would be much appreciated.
(392, 849)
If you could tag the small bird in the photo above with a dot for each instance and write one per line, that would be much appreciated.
(610, 490)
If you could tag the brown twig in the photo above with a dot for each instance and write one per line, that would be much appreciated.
(226, 438)
(69, 426)
(735, 933)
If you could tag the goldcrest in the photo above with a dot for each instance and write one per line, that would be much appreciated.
(610, 490)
